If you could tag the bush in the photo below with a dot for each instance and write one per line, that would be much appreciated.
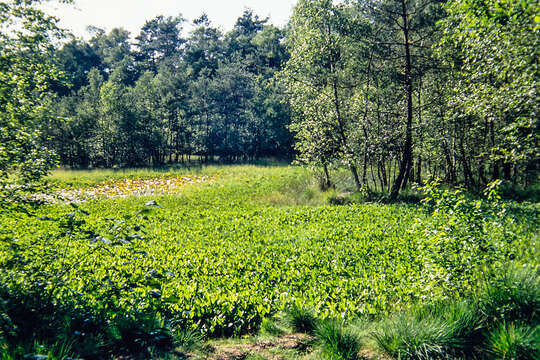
(339, 200)
(518, 193)
(136, 334)
(337, 342)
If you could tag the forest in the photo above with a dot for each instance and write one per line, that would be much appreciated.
(361, 183)
(393, 91)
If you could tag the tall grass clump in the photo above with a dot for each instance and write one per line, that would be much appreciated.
(429, 332)
(406, 336)
(336, 341)
(509, 341)
(502, 322)
(187, 339)
(512, 295)
(465, 324)
(301, 319)
(272, 326)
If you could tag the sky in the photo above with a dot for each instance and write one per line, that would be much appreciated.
(132, 14)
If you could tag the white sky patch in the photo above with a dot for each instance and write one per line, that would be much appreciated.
(132, 14)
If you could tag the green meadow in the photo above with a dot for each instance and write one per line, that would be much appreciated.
(224, 255)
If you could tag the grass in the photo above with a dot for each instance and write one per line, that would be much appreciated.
(407, 336)
(337, 342)
(512, 295)
(301, 319)
(225, 258)
(514, 342)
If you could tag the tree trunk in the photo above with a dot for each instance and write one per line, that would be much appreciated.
(364, 170)
(407, 150)
(419, 170)
(383, 170)
(507, 170)
(352, 167)
(327, 183)
(451, 168)
(341, 127)
(373, 177)
(467, 173)
(407, 174)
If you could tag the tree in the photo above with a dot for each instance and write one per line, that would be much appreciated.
(76, 58)
(114, 50)
(204, 49)
(26, 75)
(320, 68)
(494, 48)
(239, 44)
(403, 35)
(159, 40)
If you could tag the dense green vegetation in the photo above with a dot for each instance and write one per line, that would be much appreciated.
(398, 240)
(395, 91)
(220, 256)
(166, 97)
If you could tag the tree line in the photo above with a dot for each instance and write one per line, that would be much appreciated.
(395, 91)
(164, 98)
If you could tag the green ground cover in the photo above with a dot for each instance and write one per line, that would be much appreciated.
(221, 255)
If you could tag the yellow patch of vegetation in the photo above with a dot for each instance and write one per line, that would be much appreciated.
(133, 187)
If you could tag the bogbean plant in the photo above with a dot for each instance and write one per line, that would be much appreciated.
(215, 262)
(44, 312)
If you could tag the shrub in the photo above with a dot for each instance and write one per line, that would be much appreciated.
(136, 334)
(339, 199)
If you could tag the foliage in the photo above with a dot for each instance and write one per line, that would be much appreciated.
(37, 305)
(26, 77)
(167, 97)
(355, 82)
(217, 258)
(497, 46)
(448, 329)
(466, 234)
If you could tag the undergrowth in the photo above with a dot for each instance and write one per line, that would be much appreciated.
(143, 276)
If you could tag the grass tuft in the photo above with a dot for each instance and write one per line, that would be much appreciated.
(187, 339)
(301, 319)
(514, 342)
(407, 336)
(272, 326)
(511, 296)
(336, 341)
